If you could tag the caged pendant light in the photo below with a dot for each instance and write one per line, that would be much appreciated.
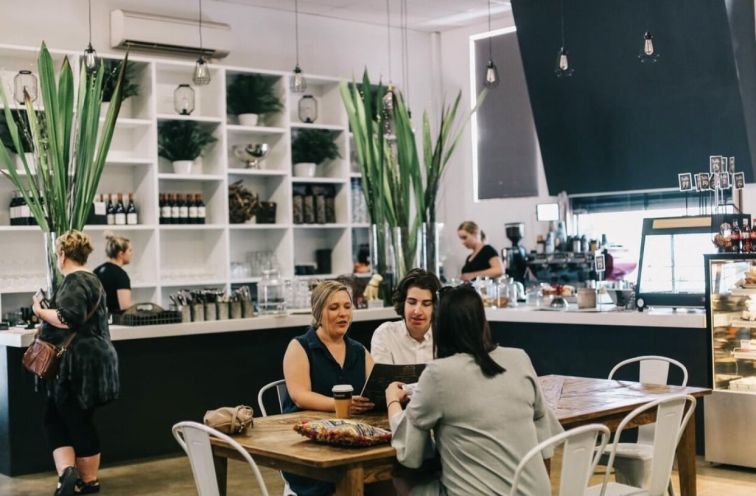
(563, 69)
(491, 79)
(298, 83)
(201, 76)
(648, 53)
(24, 84)
(90, 55)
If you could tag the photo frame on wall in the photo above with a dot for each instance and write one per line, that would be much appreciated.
(600, 263)
(724, 180)
(685, 181)
(715, 164)
(714, 181)
(731, 165)
(738, 180)
(705, 184)
(698, 182)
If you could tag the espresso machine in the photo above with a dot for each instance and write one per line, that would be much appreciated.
(515, 256)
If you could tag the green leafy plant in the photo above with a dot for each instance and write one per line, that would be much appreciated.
(183, 140)
(7, 139)
(129, 86)
(252, 94)
(314, 145)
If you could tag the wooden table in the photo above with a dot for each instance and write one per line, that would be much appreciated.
(575, 400)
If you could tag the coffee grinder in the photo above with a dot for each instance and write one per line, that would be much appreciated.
(515, 256)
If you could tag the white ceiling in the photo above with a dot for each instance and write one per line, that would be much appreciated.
(422, 15)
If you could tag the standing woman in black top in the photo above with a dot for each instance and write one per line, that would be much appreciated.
(88, 373)
(484, 261)
(114, 279)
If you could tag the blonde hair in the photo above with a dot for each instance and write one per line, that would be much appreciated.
(320, 295)
(115, 244)
(472, 228)
(74, 245)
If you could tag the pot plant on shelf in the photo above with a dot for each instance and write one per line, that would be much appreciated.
(129, 86)
(182, 142)
(70, 148)
(312, 147)
(26, 142)
(251, 96)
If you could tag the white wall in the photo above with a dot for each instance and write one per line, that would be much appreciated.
(457, 202)
(263, 38)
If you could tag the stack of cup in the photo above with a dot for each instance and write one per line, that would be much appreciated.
(342, 397)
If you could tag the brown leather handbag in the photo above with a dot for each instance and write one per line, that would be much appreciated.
(42, 358)
(230, 419)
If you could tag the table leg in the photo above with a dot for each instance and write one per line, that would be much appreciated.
(352, 483)
(221, 473)
(686, 458)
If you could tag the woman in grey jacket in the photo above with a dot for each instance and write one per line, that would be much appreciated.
(482, 402)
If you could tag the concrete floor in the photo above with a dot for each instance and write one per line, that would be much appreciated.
(173, 477)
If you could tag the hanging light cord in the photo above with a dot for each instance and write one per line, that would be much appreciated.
(490, 43)
(296, 28)
(405, 52)
(90, 22)
(200, 23)
(388, 35)
(561, 19)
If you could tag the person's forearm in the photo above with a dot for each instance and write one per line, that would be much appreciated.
(51, 317)
(313, 401)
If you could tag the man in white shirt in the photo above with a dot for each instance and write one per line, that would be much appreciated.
(410, 340)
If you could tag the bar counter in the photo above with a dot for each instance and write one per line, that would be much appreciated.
(176, 372)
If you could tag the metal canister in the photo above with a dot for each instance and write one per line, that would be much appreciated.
(198, 312)
(222, 310)
(210, 313)
(236, 310)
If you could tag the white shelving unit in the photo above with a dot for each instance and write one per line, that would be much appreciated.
(170, 257)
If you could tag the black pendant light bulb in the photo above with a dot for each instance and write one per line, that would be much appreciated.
(648, 53)
(90, 55)
(201, 76)
(298, 83)
(491, 79)
(563, 69)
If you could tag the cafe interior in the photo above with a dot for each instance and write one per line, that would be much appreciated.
(463, 247)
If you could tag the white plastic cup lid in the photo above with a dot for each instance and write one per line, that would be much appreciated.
(342, 388)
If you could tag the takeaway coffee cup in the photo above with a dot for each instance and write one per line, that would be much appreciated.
(342, 397)
(586, 298)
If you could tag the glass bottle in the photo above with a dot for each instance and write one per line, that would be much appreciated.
(161, 207)
(201, 211)
(132, 218)
(735, 237)
(270, 293)
(110, 210)
(192, 201)
(745, 237)
(120, 212)
(183, 210)
(175, 216)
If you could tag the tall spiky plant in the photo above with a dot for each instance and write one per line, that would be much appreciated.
(69, 147)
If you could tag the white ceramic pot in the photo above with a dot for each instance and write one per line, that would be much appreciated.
(183, 166)
(305, 169)
(29, 161)
(248, 119)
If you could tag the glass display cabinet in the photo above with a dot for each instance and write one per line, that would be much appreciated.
(731, 318)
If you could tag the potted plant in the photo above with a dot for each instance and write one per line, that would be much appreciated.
(250, 96)
(26, 143)
(310, 148)
(70, 148)
(129, 86)
(182, 142)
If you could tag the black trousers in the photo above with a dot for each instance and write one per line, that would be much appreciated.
(67, 424)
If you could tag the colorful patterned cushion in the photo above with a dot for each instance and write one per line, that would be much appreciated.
(343, 432)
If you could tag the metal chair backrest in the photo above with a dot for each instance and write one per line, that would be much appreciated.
(670, 424)
(654, 369)
(194, 439)
(281, 392)
(579, 458)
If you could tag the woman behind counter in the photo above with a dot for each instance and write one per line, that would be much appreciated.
(478, 399)
(483, 261)
(318, 360)
(114, 279)
(88, 374)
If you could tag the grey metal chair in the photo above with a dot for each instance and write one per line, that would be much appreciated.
(282, 393)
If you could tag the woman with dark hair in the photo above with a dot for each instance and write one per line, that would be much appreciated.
(483, 403)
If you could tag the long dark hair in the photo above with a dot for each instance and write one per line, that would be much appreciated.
(460, 326)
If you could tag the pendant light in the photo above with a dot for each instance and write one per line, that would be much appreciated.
(491, 79)
(388, 97)
(298, 82)
(201, 76)
(563, 69)
(405, 58)
(90, 55)
(648, 53)
(24, 84)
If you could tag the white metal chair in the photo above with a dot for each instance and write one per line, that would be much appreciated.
(633, 460)
(579, 457)
(194, 438)
(281, 393)
(670, 424)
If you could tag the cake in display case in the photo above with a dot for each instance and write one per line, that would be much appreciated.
(731, 318)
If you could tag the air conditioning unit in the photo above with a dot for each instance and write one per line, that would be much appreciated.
(139, 31)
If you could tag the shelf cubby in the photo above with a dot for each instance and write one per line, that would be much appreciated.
(307, 241)
(213, 194)
(208, 100)
(331, 112)
(274, 120)
(245, 241)
(270, 188)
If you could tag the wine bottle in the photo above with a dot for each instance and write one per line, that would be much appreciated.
(132, 218)
(192, 209)
(120, 212)
(183, 210)
(14, 209)
(110, 210)
(161, 208)
(201, 211)
(745, 237)
(737, 245)
(174, 209)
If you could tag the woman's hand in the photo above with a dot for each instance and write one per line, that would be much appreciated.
(37, 302)
(395, 392)
(360, 404)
